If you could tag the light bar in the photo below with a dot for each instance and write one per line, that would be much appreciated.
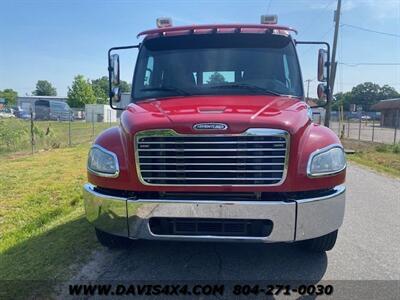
(164, 22)
(269, 19)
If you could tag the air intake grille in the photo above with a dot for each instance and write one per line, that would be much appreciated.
(256, 157)
(212, 227)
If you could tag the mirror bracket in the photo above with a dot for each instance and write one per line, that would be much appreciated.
(110, 70)
(327, 64)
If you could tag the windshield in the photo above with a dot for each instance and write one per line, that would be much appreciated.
(214, 64)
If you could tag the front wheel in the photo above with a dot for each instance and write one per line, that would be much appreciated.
(112, 241)
(322, 243)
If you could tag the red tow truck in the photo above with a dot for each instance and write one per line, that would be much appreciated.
(218, 143)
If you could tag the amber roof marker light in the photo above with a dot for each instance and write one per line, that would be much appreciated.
(164, 22)
(269, 19)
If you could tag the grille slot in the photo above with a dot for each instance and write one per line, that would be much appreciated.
(256, 157)
(210, 227)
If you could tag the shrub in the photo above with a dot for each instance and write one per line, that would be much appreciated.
(382, 148)
(396, 148)
(389, 148)
(12, 132)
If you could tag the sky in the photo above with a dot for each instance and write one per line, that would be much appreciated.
(57, 39)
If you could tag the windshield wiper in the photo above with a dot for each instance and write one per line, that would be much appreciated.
(168, 89)
(246, 86)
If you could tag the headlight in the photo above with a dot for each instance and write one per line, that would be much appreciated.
(327, 161)
(102, 162)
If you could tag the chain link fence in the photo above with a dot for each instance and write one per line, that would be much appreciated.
(365, 127)
(29, 133)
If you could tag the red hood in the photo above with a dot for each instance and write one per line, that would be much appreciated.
(238, 112)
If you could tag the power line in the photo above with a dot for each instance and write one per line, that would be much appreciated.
(389, 83)
(320, 38)
(367, 64)
(370, 30)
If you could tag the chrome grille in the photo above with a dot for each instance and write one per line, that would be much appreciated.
(256, 157)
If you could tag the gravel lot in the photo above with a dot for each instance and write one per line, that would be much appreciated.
(367, 248)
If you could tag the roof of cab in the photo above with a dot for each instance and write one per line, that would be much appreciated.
(215, 28)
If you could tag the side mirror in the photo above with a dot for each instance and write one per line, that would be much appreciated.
(116, 94)
(114, 73)
(114, 81)
(114, 69)
(321, 92)
(322, 65)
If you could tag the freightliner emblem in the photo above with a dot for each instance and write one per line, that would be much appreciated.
(210, 126)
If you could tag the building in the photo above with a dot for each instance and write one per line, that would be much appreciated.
(125, 100)
(100, 113)
(318, 115)
(26, 103)
(390, 112)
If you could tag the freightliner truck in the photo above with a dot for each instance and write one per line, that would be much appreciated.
(217, 142)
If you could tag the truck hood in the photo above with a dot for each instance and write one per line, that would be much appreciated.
(239, 112)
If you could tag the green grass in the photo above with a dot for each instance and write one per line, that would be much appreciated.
(42, 225)
(380, 157)
(389, 148)
(15, 134)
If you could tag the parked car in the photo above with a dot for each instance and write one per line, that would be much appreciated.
(22, 113)
(366, 118)
(7, 113)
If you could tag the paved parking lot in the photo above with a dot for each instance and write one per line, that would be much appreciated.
(367, 248)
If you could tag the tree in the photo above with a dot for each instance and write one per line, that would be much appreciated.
(81, 92)
(125, 87)
(216, 78)
(44, 88)
(10, 95)
(100, 88)
(365, 94)
(387, 92)
(341, 99)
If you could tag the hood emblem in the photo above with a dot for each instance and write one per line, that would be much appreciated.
(210, 126)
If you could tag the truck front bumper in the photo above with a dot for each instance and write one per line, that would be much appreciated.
(291, 221)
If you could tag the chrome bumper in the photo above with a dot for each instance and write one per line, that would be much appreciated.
(292, 221)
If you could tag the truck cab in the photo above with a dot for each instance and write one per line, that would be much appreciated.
(217, 144)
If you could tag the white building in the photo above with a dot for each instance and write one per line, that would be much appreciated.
(100, 113)
(125, 100)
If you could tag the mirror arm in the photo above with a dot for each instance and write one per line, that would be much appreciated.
(110, 70)
(328, 65)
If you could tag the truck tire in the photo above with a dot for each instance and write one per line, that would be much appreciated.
(322, 243)
(112, 241)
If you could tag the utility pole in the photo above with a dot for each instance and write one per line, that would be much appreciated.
(333, 62)
(308, 87)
